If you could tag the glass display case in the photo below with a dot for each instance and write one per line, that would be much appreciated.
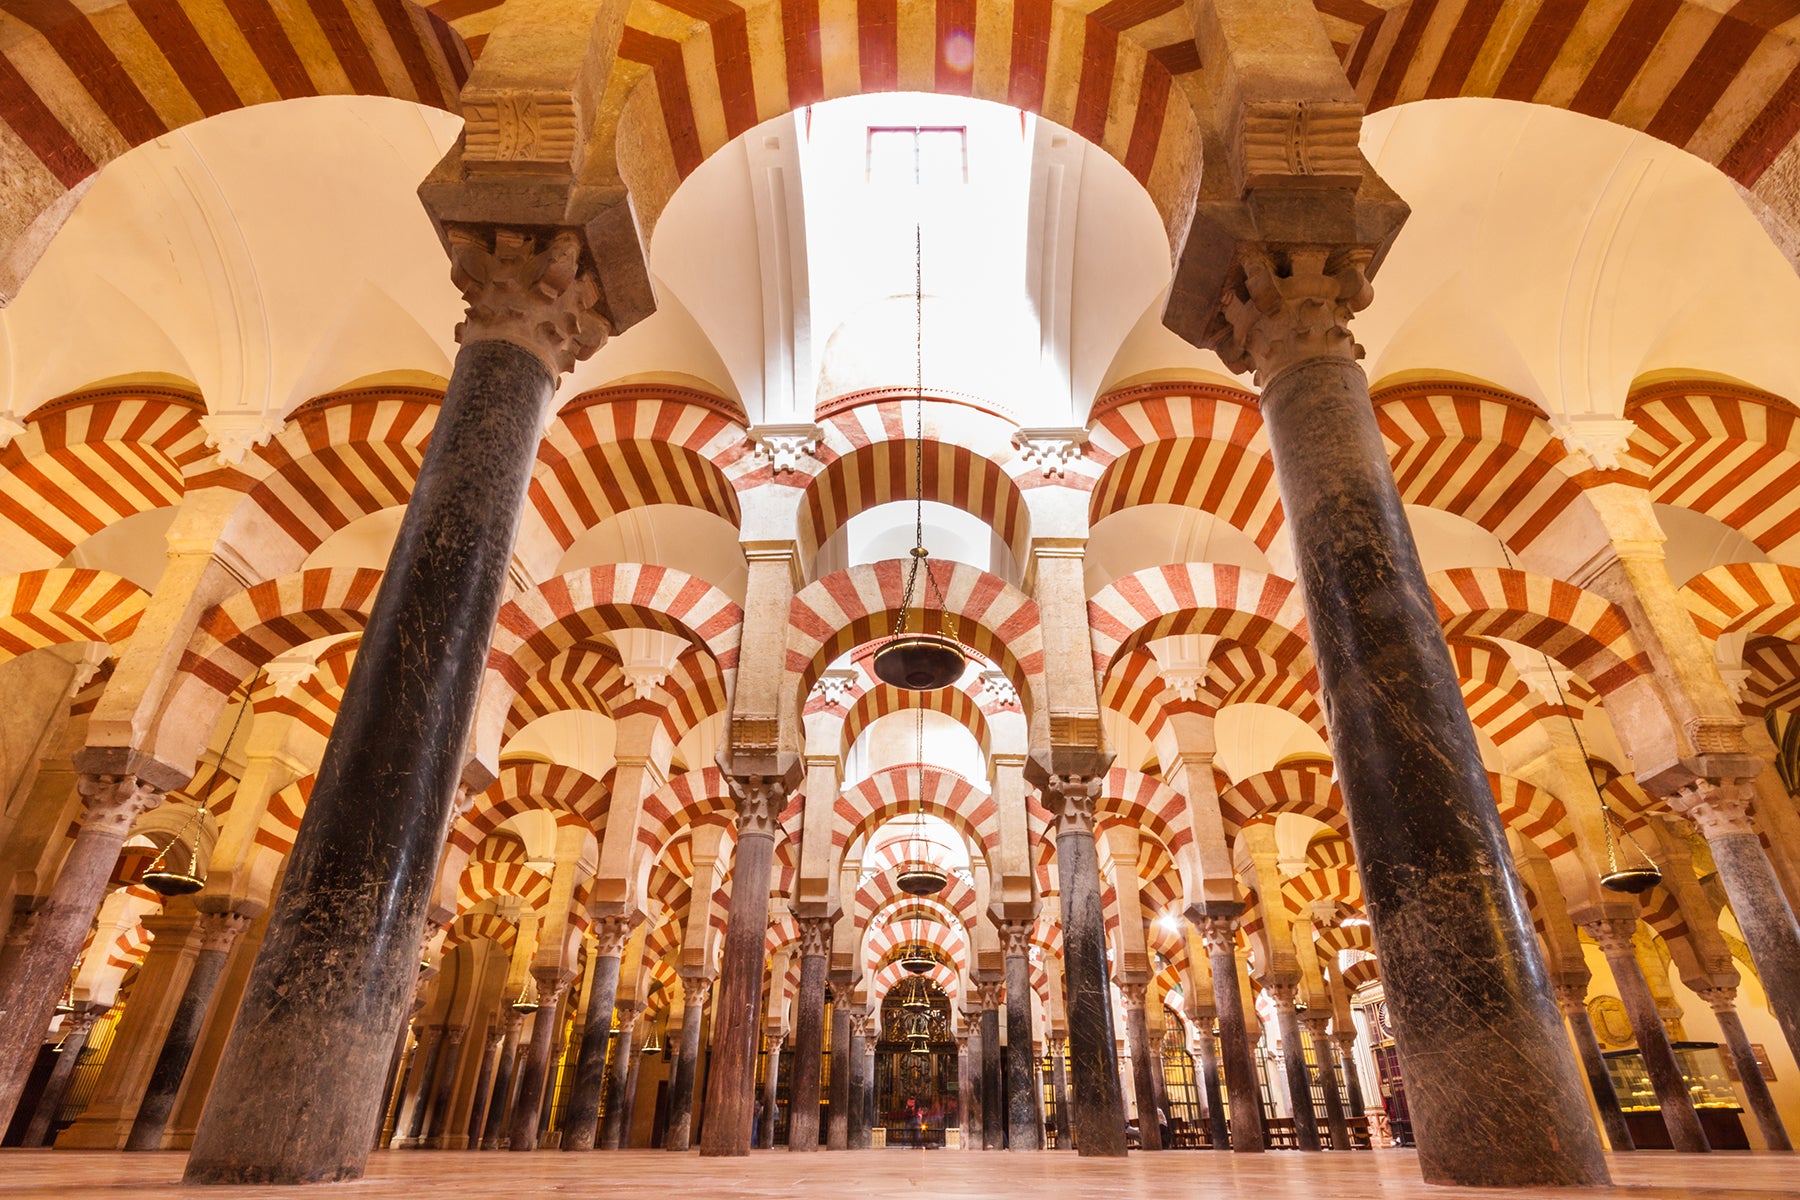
(1703, 1067)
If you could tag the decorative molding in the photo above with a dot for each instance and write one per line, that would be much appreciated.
(997, 689)
(286, 674)
(1280, 141)
(1159, 391)
(11, 428)
(834, 686)
(539, 299)
(1596, 438)
(631, 393)
(234, 434)
(783, 446)
(520, 128)
(1051, 449)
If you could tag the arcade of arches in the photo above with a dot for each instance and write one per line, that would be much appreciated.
(459, 464)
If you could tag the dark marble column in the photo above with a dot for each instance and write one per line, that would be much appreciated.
(1293, 1064)
(1722, 814)
(344, 929)
(1024, 1124)
(493, 1131)
(965, 1096)
(38, 971)
(1492, 1086)
(417, 1096)
(765, 1136)
(1137, 1040)
(1219, 1133)
(1572, 998)
(612, 1120)
(993, 1087)
(484, 1085)
(1059, 1087)
(629, 1104)
(1353, 1078)
(809, 1034)
(1677, 1103)
(582, 1119)
(862, 1083)
(1326, 1075)
(1750, 1077)
(680, 1134)
(1219, 934)
(731, 1087)
(217, 933)
(837, 1121)
(437, 1117)
(75, 1029)
(975, 1133)
(534, 1072)
(1098, 1100)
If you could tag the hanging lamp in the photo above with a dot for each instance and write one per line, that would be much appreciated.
(179, 869)
(920, 660)
(526, 1002)
(918, 875)
(1622, 874)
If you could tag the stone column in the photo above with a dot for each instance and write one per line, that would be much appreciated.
(417, 1095)
(437, 1116)
(861, 1083)
(1353, 1078)
(1098, 1102)
(731, 1087)
(1572, 999)
(837, 1132)
(1024, 1124)
(680, 1134)
(1293, 1064)
(969, 1081)
(1059, 1088)
(993, 1086)
(35, 976)
(217, 933)
(1722, 814)
(765, 1137)
(344, 929)
(552, 982)
(1327, 1076)
(484, 1085)
(1750, 1077)
(1491, 1082)
(1616, 942)
(612, 1121)
(809, 1034)
(75, 1029)
(1137, 1035)
(1219, 934)
(1219, 1133)
(493, 1130)
(581, 1125)
(630, 1099)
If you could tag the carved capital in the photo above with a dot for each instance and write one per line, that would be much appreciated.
(859, 1024)
(611, 934)
(834, 687)
(1316, 1023)
(1572, 997)
(1597, 438)
(234, 434)
(531, 291)
(989, 995)
(552, 982)
(513, 1022)
(1015, 938)
(1717, 808)
(1613, 935)
(784, 447)
(81, 1021)
(1217, 934)
(626, 1016)
(219, 930)
(114, 802)
(1286, 312)
(815, 936)
(998, 690)
(1282, 995)
(1070, 799)
(759, 804)
(1056, 1043)
(1719, 999)
(454, 1034)
(1050, 450)
(1132, 996)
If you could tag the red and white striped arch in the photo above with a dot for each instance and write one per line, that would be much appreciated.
(280, 823)
(1225, 601)
(1154, 808)
(66, 604)
(1303, 790)
(1500, 704)
(880, 893)
(1586, 633)
(1758, 599)
(486, 880)
(88, 460)
(1538, 816)
(528, 787)
(1197, 445)
(1729, 452)
(475, 927)
(687, 799)
(1486, 455)
(894, 792)
(587, 677)
(846, 609)
(1774, 683)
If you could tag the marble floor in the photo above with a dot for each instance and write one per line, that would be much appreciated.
(879, 1175)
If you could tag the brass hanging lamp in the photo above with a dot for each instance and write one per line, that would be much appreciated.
(918, 875)
(179, 869)
(921, 659)
(526, 1002)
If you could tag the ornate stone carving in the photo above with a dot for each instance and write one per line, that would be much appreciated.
(859, 1024)
(539, 298)
(1050, 450)
(1598, 439)
(1280, 140)
(288, 673)
(1217, 934)
(1015, 938)
(114, 802)
(1070, 799)
(1572, 997)
(10, 428)
(1132, 996)
(997, 689)
(219, 930)
(625, 1016)
(1613, 935)
(783, 446)
(1719, 999)
(989, 995)
(1717, 808)
(1282, 995)
(759, 804)
(520, 129)
(234, 434)
(552, 982)
(644, 680)
(611, 934)
(1288, 314)
(815, 936)
(834, 686)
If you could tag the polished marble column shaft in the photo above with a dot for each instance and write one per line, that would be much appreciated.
(1750, 1076)
(809, 1035)
(680, 1135)
(1352, 1077)
(1219, 1133)
(1219, 935)
(534, 1073)
(1137, 1040)
(217, 933)
(417, 1094)
(1293, 1066)
(737, 1025)
(581, 1125)
(1325, 1072)
(765, 1135)
(862, 1083)
(493, 1130)
(484, 1086)
(76, 1027)
(966, 1090)
(437, 1117)
(1677, 1103)
(618, 1079)
(344, 930)
(1572, 998)
(993, 1086)
(976, 1133)
(1059, 1088)
(1097, 1101)
(1024, 1124)
(1491, 1082)
(837, 1120)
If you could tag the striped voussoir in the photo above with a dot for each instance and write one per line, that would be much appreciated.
(1339, 883)
(1720, 80)
(587, 677)
(1760, 599)
(1584, 632)
(880, 893)
(1728, 452)
(960, 704)
(245, 631)
(896, 792)
(570, 793)
(313, 703)
(481, 926)
(66, 604)
(1774, 682)
(1659, 909)
(1534, 813)
(128, 948)
(1149, 805)
(1216, 599)
(1306, 791)
(280, 823)
(485, 880)
(687, 799)
(1500, 704)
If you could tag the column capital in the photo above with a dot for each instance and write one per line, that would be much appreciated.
(627, 1016)
(81, 1020)
(1282, 995)
(815, 936)
(454, 1034)
(1719, 999)
(114, 802)
(1217, 933)
(514, 1022)
(1613, 934)
(1716, 807)
(219, 930)
(759, 799)
(1056, 1042)
(551, 981)
(530, 288)
(988, 995)
(1132, 996)
(611, 933)
(1070, 799)
(1572, 997)
(1315, 1021)
(1292, 306)
(859, 1024)
(1015, 937)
